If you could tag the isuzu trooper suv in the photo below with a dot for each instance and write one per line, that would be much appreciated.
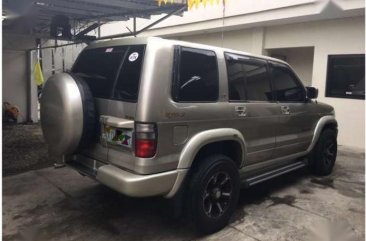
(190, 122)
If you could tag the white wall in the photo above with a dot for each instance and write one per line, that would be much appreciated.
(238, 40)
(14, 81)
(248, 40)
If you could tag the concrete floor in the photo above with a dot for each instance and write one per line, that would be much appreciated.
(59, 204)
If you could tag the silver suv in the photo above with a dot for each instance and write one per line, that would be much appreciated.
(190, 122)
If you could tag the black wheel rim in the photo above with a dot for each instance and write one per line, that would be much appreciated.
(329, 152)
(217, 195)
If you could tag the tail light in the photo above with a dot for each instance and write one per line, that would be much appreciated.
(145, 140)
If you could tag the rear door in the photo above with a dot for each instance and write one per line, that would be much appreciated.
(296, 121)
(251, 102)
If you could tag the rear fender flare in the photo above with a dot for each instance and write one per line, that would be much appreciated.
(201, 139)
(195, 144)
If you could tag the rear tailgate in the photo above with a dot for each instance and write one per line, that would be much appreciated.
(115, 135)
(113, 75)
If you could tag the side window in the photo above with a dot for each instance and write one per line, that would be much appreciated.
(236, 77)
(287, 87)
(248, 79)
(196, 77)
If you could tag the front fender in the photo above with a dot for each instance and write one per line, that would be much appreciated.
(323, 121)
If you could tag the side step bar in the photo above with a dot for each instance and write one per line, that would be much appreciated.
(273, 173)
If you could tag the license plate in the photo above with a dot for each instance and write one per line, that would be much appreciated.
(115, 136)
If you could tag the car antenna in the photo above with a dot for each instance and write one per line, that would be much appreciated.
(223, 23)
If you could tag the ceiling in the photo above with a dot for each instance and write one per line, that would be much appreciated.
(34, 17)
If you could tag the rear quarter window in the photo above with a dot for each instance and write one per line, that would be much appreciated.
(196, 75)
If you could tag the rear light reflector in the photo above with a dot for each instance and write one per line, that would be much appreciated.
(145, 148)
(145, 140)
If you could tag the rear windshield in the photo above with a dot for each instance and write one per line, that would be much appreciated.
(112, 72)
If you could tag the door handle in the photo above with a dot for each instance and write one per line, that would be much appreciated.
(285, 109)
(241, 110)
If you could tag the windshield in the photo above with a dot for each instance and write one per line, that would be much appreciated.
(112, 72)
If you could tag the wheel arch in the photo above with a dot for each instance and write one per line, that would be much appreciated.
(202, 140)
(324, 122)
(208, 140)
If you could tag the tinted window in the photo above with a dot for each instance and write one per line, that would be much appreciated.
(128, 81)
(98, 67)
(346, 76)
(287, 87)
(236, 77)
(196, 75)
(248, 79)
(112, 72)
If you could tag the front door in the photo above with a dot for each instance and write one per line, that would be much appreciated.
(296, 122)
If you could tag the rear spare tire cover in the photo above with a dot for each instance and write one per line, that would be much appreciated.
(67, 114)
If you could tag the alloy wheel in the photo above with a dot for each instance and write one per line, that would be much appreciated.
(329, 152)
(217, 194)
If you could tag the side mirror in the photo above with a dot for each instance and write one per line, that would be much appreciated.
(311, 92)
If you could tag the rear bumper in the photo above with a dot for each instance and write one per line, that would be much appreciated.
(136, 185)
(130, 184)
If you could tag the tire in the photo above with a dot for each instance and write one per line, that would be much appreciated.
(213, 193)
(325, 153)
(89, 113)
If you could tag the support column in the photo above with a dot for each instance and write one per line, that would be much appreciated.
(32, 103)
(258, 41)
